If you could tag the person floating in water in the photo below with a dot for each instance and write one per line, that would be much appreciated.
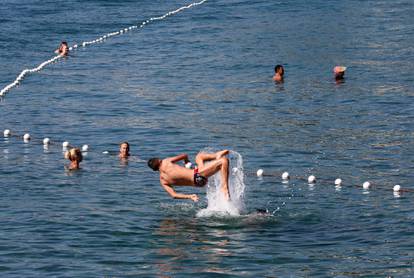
(63, 49)
(123, 150)
(279, 72)
(339, 72)
(172, 174)
(75, 157)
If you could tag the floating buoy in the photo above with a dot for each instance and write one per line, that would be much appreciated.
(105, 152)
(311, 179)
(397, 188)
(46, 141)
(6, 133)
(338, 182)
(65, 144)
(259, 172)
(26, 137)
(366, 185)
(85, 148)
(285, 176)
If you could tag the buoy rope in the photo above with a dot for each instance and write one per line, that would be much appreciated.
(25, 72)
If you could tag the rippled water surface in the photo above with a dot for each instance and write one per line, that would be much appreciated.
(202, 79)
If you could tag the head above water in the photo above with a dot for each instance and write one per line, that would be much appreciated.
(74, 154)
(124, 148)
(339, 72)
(279, 69)
(154, 163)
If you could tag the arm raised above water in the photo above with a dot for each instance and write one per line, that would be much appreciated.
(179, 157)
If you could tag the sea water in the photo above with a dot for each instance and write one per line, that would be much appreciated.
(199, 78)
(218, 205)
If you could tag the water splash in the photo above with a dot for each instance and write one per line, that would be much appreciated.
(217, 204)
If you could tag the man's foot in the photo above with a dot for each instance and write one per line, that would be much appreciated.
(222, 153)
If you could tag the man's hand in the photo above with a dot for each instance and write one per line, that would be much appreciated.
(194, 197)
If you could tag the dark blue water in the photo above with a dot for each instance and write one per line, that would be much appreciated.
(202, 78)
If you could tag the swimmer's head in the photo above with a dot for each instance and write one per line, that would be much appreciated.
(64, 43)
(124, 149)
(154, 163)
(339, 72)
(74, 154)
(279, 69)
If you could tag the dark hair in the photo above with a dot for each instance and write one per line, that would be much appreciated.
(277, 67)
(154, 163)
(63, 42)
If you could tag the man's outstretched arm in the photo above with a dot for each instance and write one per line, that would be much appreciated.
(183, 156)
(176, 195)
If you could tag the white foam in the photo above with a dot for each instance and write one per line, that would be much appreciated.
(217, 204)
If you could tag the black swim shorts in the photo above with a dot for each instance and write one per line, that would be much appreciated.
(199, 180)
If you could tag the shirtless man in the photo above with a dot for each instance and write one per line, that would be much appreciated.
(63, 49)
(172, 174)
(75, 157)
(339, 72)
(123, 150)
(279, 72)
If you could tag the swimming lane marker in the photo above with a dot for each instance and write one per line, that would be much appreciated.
(285, 176)
(46, 141)
(21, 76)
(85, 148)
(26, 138)
(366, 185)
(311, 179)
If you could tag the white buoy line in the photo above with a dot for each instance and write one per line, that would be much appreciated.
(311, 180)
(285, 176)
(27, 138)
(25, 72)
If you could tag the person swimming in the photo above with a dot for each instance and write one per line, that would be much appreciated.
(75, 157)
(124, 150)
(172, 174)
(339, 72)
(279, 72)
(63, 49)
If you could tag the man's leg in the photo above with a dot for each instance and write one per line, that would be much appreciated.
(202, 157)
(222, 165)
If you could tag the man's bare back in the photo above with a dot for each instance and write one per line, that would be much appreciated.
(172, 174)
